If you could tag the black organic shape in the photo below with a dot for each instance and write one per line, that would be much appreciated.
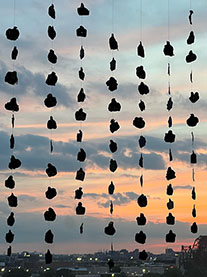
(141, 220)
(141, 180)
(11, 78)
(114, 126)
(79, 136)
(140, 237)
(51, 170)
(80, 210)
(50, 193)
(113, 64)
(81, 74)
(50, 101)
(140, 50)
(113, 44)
(191, 57)
(81, 96)
(141, 161)
(169, 190)
(113, 146)
(169, 137)
(51, 11)
(50, 215)
(170, 173)
(169, 104)
(12, 200)
(80, 115)
(14, 53)
(194, 97)
(142, 200)
(143, 255)
(194, 211)
(49, 236)
(78, 193)
(111, 207)
(111, 188)
(168, 49)
(170, 204)
(191, 38)
(12, 105)
(51, 124)
(48, 257)
(170, 219)
(114, 106)
(138, 122)
(52, 57)
(193, 158)
(110, 230)
(110, 263)
(10, 219)
(141, 105)
(112, 84)
(51, 32)
(170, 122)
(80, 175)
(81, 32)
(9, 251)
(81, 155)
(113, 165)
(140, 72)
(12, 120)
(12, 34)
(51, 79)
(10, 183)
(194, 228)
(82, 52)
(14, 163)
(9, 237)
(170, 237)
(82, 10)
(190, 17)
(12, 142)
(143, 89)
(170, 155)
(81, 228)
(193, 194)
(142, 142)
(192, 121)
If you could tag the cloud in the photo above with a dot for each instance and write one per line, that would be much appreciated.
(187, 187)
(25, 197)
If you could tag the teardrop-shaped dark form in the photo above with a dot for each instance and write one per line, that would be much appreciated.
(81, 155)
(80, 115)
(9, 251)
(168, 49)
(143, 88)
(170, 122)
(114, 126)
(52, 57)
(10, 219)
(140, 237)
(50, 193)
(81, 228)
(12, 142)
(12, 200)
(51, 79)
(170, 174)
(12, 105)
(192, 121)
(170, 219)
(50, 101)
(170, 237)
(51, 170)
(141, 161)
(11, 78)
(169, 104)
(194, 211)
(9, 182)
(170, 155)
(80, 175)
(14, 53)
(12, 120)
(143, 255)
(48, 257)
(191, 38)
(142, 142)
(114, 106)
(191, 57)
(82, 52)
(81, 96)
(190, 17)
(169, 137)
(141, 180)
(140, 72)
(82, 10)
(111, 207)
(140, 50)
(81, 74)
(9, 237)
(113, 146)
(14, 163)
(110, 230)
(142, 200)
(51, 32)
(113, 44)
(79, 136)
(194, 97)
(138, 122)
(110, 263)
(51, 11)
(113, 165)
(112, 84)
(50, 215)
(141, 106)
(78, 193)
(169, 190)
(80, 210)
(12, 34)
(194, 228)
(49, 236)
(81, 32)
(113, 64)
(193, 194)
(193, 158)
(170, 204)
(111, 188)
(51, 124)
(141, 220)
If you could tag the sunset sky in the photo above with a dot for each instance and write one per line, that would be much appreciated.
(32, 136)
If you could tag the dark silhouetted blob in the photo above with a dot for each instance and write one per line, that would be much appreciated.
(12, 34)
(170, 219)
(80, 115)
(170, 155)
(113, 146)
(50, 215)
(141, 106)
(78, 193)
(51, 146)
(191, 38)
(81, 155)
(80, 175)
(169, 104)
(193, 158)
(12, 142)
(48, 257)
(193, 194)
(81, 74)
(142, 200)
(143, 255)
(11, 78)
(142, 142)
(194, 228)
(113, 44)
(51, 32)
(111, 188)
(9, 251)
(110, 264)
(82, 10)
(51, 170)
(114, 126)
(14, 53)
(143, 88)
(110, 230)
(169, 190)
(190, 17)
(168, 49)
(12, 200)
(114, 106)
(140, 50)
(12, 105)
(81, 96)
(170, 174)
(194, 211)
(113, 165)
(170, 237)
(9, 237)
(170, 122)
(82, 52)
(141, 161)
(111, 207)
(191, 76)
(50, 101)
(12, 121)
(52, 57)
(169, 137)
(50, 193)
(192, 121)
(138, 122)
(194, 97)
(51, 124)
(141, 220)
(140, 72)
(170, 204)
(51, 79)
(191, 57)
(112, 84)
(79, 136)
(14, 163)
(10, 219)
(168, 69)
(80, 210)
(49, 236)
(81, 228)
(140, 237)
(10, 183)
(141, 180)
(113, 64)
(81, 32)
(51, 11)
